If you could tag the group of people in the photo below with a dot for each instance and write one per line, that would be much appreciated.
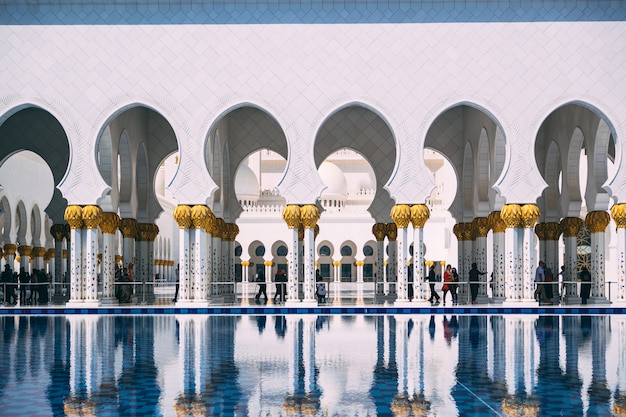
(450, 283)
(123, 288)
(547, 285)
(280, 279)
(33, 287)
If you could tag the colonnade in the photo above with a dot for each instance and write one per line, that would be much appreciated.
(207, 253)
(206, 256)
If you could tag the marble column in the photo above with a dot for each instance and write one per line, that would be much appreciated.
(182, 215)
(597, 222)
(233, 231)
(73, 215)
(480, 228)
(463, 288)
(359, 271)
(618, 213)
(218, 256)
(570, 227)
(211, 269)
(392, 270)
(92, 217)
(498, 229)
(401, 215)
(530, 215)
(291, 216)
(148, 232)
(129, 229)
(37, 257)
(380, 232)
(199, 219)
(25, 252)
(309, 215)
(58, 233)
(511, 214)
(420, 214)
(109, 225)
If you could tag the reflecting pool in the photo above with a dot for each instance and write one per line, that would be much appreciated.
(335, 365)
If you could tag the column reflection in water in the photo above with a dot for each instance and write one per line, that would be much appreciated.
(314, 365)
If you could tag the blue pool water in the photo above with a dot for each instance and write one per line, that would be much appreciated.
(326, 365)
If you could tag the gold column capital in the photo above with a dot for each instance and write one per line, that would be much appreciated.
(420, 213)
(401, 215)
(10, 249)
(219, 228)
(597, 221)
(129, 228)
(58, 232)
(147, 232)
(511, 215)
(245, 264)
(291, 216)
(553, 230)
(360, 263)
(39, 251)
(309, 214)
(530, 215)
(380, 231)
(92, 216)
(480, 227)
(182, 215)
(199, 216)
(336, 263)
(316, 231)
(429, 263)
(268, 263)
(74, 217)
(392, 231)
(110, 222)
(540, 231)
(25, 250)
(570, 226)
(618, 212)
(210, 222)
(232, 230)
(496, 223)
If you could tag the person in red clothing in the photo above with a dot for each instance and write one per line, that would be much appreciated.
(447, 277)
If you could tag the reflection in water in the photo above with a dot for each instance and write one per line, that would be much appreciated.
(412, 365)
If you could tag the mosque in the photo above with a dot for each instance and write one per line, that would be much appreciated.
(366, 140)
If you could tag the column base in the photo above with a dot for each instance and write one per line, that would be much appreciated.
(109, 301)
(82, 304)
(598, 301)
(497, 300)
(572, 299)
(520, 303)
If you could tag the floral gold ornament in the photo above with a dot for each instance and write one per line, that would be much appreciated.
(10, 249)
(552, 230)
(618, 212)
(128, 228)
(401, 215)
(110, 223)
(597, 221)
(74, 216)
(25, 250)
(291, 216)
(511, 215)
(58, 232)
(496, 224)
(420, 213)
(480, 226)
(199, 216)
(380, 231)
(92, 216)
(392, 232)
(182, 215)
(309, 215)
(570, 226)
(530, 215)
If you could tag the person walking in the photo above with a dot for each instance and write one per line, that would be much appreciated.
(447, 282)
(474, 278)
(585, 287)
(432, 279)
(280, 280)
(453, 287)
(540, 278)
(260, 279)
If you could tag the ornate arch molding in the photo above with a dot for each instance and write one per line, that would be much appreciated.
(7, 217)
(241, 119)
(367, 130)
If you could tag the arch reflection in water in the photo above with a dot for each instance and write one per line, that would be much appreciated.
(313, 365)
